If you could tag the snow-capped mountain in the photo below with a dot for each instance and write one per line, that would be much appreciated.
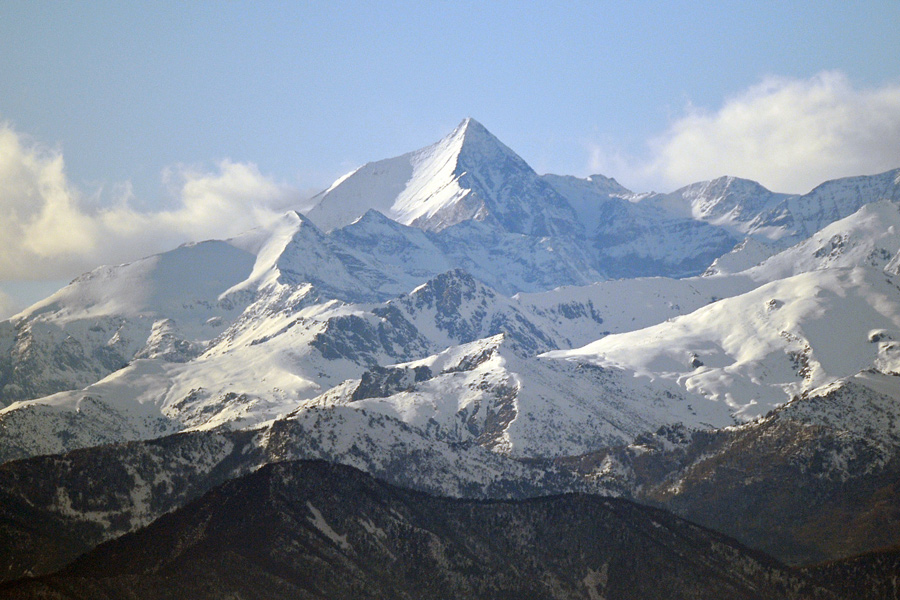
(290, 311)
(472, 192)
(636, 239)
(583, 195)
(742, 205)
(470, 178)
(176, 303)
(166, 303)
(452, 321)
(793, 335)
(485, 393)
(279, 309)
(869, 237)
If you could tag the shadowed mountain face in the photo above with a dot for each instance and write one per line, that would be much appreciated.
(870, 576)
(319, 530)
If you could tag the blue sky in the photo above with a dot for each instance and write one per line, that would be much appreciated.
(160, 122)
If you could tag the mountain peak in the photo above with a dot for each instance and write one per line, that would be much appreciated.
(728, 201)
(467, 175)
(471, 129)
(469, 147)
(469, 126)
(474, 146)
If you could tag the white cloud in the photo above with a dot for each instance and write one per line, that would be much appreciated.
(49, 231)
(788, 134)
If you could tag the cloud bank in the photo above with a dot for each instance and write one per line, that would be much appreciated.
(788, 134)
(51, 230)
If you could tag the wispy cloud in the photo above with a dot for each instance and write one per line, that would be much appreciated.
(50, 230)
(788, 134)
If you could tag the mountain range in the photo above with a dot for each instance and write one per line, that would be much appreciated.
(451, 321)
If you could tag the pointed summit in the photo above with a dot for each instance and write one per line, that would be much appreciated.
(470, 131)
(470, 122)
(476, 147)
(468, 175)
(472, 135)
(470, 127)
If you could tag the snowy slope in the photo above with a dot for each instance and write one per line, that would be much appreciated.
(455, 308)
(288, 345)
(756, 351)
(730, 202)
(292, 344)
(869, 237)
(743, 256)
(485, 392)
(586, 313)
(175, 283)
(514, 262)
(388, 257)
(864, 407)
(839, 198)
(825, 309)
(307, 257)
(634, 239)
(588, 196)
(101, 320)
(681, 233)
(172, 305)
